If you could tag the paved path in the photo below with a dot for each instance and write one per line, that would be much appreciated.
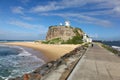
(97, 64)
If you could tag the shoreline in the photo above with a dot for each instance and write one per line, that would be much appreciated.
(49, 69)
(49, 51)
(36, 53)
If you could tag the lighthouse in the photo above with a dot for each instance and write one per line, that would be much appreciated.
(67, 23)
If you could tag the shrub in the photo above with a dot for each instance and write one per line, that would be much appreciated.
(74, 40)
(53, 41)
(110, 49)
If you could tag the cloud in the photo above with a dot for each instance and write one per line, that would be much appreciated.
(29, 26)
(51, 6)
(22, 24)
(27, 18)
(81, 18)
(117, 10)
(85, 10)
(95, 35)
(57, 5)
(98, 5)
(84, 14)
(18, 10)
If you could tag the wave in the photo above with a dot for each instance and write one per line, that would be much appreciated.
(24, 52)
(19, 64)
(116, 47)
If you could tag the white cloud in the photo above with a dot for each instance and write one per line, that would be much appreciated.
(28, 25)
(22, 24)
(51, 6)
(95, 35)
(18, 10)
(57, 5)
(117, 9)
(81, 18)
(27, 18)
(97, 8)
(64, 4)
(111, 8)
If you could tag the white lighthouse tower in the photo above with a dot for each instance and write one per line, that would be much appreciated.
(67, 23)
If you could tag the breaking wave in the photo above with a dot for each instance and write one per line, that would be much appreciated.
(16, 61)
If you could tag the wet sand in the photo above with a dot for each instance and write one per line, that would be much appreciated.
(52, 52)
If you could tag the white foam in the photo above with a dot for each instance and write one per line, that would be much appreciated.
(3, 45)
(28, 61)
(4, 78)
(116, 47)
(24, 53)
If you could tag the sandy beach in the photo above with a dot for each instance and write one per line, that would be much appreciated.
(52, 52)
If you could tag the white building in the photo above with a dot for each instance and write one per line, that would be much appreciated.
(86, 38)
(67, 23)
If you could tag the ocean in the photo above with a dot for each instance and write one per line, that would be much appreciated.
(16, 61)
(16, 41)
(113, 44)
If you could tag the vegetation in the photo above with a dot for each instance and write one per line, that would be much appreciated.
(110, 49)
(79, 29)
(53, 41)
(86, 44)
(74, 40)
(77, 39)
(76, 32)
(37, 41)
(52, 26)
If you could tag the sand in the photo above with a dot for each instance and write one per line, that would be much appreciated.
(51, 51)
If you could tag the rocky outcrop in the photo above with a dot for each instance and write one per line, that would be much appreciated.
(63, 32)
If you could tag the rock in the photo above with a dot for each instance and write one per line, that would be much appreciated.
(17, 78)
(26, 77)
(62, 32)
(34, 76)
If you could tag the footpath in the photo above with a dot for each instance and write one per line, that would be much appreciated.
(97, 64)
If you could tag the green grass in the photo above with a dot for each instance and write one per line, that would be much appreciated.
(76, 32)
(110, 49)
(74, 40)
(53, 41)
(77, 39)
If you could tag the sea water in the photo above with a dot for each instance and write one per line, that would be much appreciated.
(113, 44)
(16, 61)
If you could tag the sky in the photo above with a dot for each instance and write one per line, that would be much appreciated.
(30, 19)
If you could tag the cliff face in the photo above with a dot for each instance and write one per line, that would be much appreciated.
(62, 32)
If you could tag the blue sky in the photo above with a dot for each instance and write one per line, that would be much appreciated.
(30, 19)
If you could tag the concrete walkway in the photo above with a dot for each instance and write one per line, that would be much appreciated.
(97, 64)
